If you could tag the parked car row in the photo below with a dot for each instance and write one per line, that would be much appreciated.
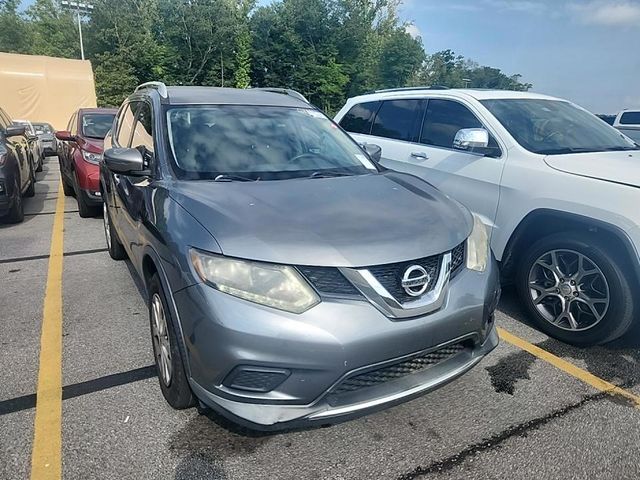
(19, 160)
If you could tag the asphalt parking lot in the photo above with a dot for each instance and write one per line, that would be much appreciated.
(534, 408)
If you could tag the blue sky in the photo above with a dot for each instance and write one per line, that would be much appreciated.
(587, 51)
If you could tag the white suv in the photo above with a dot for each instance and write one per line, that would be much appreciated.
(628, 122)
(557, 186)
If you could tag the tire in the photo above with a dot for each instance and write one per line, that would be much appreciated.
(114, 246)
(31, 189)
(175, 387)
(67, 188)
(84, 209)
(604, 284)
(16, 213)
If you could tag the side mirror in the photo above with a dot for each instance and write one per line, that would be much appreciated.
(374, 151)
(65, 136)
(15, 130)
(471, 139)
(124, 160)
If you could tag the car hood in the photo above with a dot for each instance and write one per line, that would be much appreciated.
(344, 221)
(617, 167)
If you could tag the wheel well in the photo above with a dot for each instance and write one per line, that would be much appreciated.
(539, 224)
(148, 269)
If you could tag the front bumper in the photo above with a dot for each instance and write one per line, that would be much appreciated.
(329, 343)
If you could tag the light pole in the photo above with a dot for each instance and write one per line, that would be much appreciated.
(83, 8)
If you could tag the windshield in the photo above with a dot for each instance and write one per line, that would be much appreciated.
(42, 128)
(255, 142)
(632, 133)
(96, 125)
(555, 127)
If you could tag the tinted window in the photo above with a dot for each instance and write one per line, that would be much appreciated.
(552, 127)
(360, 118)
(142, 133)
(397, 119)
(266, 143)
(630, 118)
(125, 125)
(96, 125)
(443, 120)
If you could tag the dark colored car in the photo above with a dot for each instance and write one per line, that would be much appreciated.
(79, 155)
(48, 141)
(17, 176)
(37, 156)
(290, 278)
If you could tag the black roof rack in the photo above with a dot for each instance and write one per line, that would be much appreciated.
(408, 89)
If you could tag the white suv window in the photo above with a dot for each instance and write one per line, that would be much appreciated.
(443, 120)
(398, 119)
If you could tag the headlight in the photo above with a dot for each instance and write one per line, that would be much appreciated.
(91, 157)
(276, 286)
(478, 246)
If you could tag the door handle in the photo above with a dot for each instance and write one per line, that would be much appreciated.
(419, 155)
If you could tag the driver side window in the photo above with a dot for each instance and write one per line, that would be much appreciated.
(125, 127)
(443, 119)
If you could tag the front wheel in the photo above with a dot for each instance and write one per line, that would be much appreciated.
(169, 362)
(16, 213)
(115, 248)
(84, 209)
(575, 290)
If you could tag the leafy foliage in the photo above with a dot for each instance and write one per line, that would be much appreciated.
(326, 49)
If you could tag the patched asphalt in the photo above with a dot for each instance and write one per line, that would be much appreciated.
(513, 416)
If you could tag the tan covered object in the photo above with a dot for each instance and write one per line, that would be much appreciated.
(45, 89)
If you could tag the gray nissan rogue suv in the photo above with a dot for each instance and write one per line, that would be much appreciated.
(290, 278)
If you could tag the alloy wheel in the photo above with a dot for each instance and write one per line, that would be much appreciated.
(161, 343)
(569, 290)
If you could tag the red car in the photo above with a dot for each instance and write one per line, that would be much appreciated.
(79, 155)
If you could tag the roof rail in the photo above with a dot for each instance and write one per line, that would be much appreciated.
(161, 87)
(284, 91)
(408, 89)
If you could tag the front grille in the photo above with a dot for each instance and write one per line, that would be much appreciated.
(457, 258)
(329, 281)
(406, 367)
(390, 276)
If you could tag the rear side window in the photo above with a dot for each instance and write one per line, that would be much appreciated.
(360, 118)
(443, 120)
(397, 119)
(630, 118)
(125, 126)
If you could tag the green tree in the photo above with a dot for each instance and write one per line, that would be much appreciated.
(54, 31)
(15, 34)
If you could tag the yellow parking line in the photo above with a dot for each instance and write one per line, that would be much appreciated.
(569, 367)
(46, 461)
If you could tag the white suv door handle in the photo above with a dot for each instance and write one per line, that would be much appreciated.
(420, 155)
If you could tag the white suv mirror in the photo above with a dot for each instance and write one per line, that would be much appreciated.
(471, 138)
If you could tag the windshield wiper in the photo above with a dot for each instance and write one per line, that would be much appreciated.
(329, 174)
(234, 178)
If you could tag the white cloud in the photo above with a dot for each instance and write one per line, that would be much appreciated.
(612, 14)
(413, 30)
